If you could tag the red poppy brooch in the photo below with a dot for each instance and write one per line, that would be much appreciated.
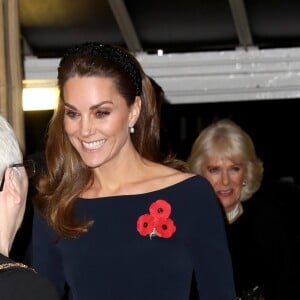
(157, 223)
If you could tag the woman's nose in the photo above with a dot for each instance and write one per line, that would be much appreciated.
(225, 178)
(87, 127)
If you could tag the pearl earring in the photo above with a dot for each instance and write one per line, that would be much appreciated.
(131, 129)
(244, 183)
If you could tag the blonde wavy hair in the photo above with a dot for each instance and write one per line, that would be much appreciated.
(225, 138)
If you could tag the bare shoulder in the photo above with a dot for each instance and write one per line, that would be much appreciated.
(174, 176)
(163, 176)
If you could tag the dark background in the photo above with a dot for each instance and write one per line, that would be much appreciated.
(272, 124)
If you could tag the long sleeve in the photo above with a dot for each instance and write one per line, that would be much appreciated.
(207, 243)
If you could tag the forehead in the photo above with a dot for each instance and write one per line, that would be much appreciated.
(91, 91)
(218, 160)
(88, 84)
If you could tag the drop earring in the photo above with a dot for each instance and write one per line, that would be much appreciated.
(131, 129)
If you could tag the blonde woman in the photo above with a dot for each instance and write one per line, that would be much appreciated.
(225, 155)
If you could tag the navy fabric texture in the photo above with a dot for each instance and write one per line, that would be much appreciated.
(113, 261)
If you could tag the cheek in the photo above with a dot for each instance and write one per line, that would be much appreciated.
(116, 126)
(212, 179)
(238, 179)
(69, 127)
(214, 184)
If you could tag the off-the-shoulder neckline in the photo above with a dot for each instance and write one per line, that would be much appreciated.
(172, 186)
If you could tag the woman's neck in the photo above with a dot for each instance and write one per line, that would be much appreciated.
(233, 214)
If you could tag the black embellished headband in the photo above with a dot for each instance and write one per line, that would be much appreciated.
(109, 52)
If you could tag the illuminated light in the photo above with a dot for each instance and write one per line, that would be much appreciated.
(40, 95)
(34, 98)
(160, 52)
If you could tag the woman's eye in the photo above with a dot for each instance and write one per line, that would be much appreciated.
(213, 170)
(71, 114)
(102, 113)
(236, 168)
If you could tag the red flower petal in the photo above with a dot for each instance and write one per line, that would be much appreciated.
(165, 228)
(160, 209)
(145, 224)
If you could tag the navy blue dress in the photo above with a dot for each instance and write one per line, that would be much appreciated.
(112, 261)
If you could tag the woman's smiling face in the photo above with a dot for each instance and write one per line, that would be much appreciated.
(97, 118)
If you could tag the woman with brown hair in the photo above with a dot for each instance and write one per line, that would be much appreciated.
(117, 219)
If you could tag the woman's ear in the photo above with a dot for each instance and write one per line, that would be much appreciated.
(135, 110)
(11, 184)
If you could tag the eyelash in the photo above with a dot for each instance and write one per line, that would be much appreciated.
(102, 113)
(236, 168)
(99, 114)
(215, 170)
(71, 114)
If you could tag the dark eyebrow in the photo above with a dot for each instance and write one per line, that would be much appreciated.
(212, 166)
(92, 107)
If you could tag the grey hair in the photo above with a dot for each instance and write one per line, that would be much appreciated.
(226, 139)
(10, 152)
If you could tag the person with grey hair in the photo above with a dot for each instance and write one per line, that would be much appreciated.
(261, 252)
(224, 153)
(17, 280)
